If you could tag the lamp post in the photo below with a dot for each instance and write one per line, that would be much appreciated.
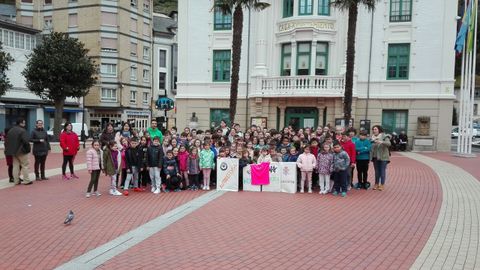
(82, 134)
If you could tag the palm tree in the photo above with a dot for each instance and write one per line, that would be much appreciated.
(226, 6)
(352, 7)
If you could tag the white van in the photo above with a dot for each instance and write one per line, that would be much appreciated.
(76, 127)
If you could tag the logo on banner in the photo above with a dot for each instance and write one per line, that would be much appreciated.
(223, 166)
(228, 174)
(286, 171)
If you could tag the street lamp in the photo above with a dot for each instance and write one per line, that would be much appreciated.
(120, 81)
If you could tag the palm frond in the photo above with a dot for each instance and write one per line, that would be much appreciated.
(225, 6)
(345, 4)
(260, 5)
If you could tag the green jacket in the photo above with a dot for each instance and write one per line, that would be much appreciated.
(155, 133)
(206, 159)
(108, 165)
(381, 151)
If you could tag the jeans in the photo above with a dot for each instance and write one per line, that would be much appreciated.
(155, 177)
(340, 181)
(324, 182)
(39, 166)
(362, 171)
(380, 171)
(68, 159)
(93, 181)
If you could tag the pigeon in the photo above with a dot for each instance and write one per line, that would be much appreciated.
(69, 218)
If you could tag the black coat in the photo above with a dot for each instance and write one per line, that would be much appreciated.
(155, 156)
(17, 141)
(133, 157)
(40, 148)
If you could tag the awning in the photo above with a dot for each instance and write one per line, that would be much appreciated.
(65, 110)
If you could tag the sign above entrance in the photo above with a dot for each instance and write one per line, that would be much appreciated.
(318, 25)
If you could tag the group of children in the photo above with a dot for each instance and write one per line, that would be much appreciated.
(179, 161)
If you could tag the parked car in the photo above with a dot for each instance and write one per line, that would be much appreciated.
(76, 127)
(476, 132)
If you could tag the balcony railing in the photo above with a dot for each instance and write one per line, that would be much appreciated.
(300, 86)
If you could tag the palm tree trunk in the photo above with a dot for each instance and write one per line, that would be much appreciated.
(352, 25)
(236, 55)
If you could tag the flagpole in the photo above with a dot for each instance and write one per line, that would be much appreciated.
(472, 89)
(460, 107)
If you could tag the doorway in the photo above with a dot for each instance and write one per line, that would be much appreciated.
(301, 117)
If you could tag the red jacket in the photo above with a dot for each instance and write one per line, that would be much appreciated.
(70, 141)
(182, 161)
(349, 147)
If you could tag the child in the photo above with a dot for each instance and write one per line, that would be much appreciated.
(112, 160)
(264, 156)
(292, 156)
(94, 166)
(182, 158)
(142, 149)
(276, 157)
(123, 173)
(341, 164)
(324, 168)
(172, 174)
(306, 162)
(154, 164)
(242, 163)
(206, 164)
(363, 146)
(133, 158)
(193, 168)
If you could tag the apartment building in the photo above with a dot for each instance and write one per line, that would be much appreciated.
(294, 59)
(119, 37)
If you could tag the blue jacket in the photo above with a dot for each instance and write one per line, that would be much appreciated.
(363, 149)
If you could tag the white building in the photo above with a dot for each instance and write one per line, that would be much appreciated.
(296, 64)
(19, 40)
(164, 64)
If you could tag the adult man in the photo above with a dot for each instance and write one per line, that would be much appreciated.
(18, 147)
(41, 147)
(154, 131)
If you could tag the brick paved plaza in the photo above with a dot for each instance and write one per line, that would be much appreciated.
(427, 218)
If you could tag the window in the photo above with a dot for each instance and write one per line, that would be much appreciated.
(146, 52)
(398, 61)
(286, 60)
(19, 40)
(108, 69)
(48, 2)
(27, 1)
(146, 29)
(133, 96)
(109, 18)
(145, 98)
(109, 44)
(217, 115)
(475, 109)
(221, 21)
(28, 42)
(72, 20)
(221, 66)
(133, 3)
(395, 121)
(324, 7)
(146, 5)
(109, 95)
(133, 25)
(47, 22)
(303, 58)
(146, 75)
(162, 58)
(27, 20)
(133, 49)
(162, 80)
(305, 7)
(400, 10)
(287, 8)
(133, 73)
(321, 61)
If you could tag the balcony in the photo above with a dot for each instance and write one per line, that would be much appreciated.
(300, 86)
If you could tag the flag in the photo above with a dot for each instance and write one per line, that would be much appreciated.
(462, 33)
(471, 27)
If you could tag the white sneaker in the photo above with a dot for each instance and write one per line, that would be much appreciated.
(157, 191)
(320, 192)
(111, 192)
(153, 189)
(208, 188)
(117, 193)
(204, 188)
(98, 194)
(87, 195)
(301, 191)
(309, 191)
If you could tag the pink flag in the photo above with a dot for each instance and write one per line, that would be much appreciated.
(260, 173)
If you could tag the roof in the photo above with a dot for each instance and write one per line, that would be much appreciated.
(164, 24)
(9, 24)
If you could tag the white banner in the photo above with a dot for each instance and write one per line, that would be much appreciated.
(275, 176)
(247, 180)
(283, 178)
(227, 174)
(288, 179)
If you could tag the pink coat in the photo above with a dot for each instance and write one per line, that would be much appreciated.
(94, 159)
(306, 162)
(182, 161)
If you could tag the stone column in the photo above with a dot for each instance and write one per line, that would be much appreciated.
(261, 41)
(294, 59)
(313, 57)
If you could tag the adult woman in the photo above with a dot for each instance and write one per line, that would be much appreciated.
(125, 132)
(41, 147)
(380, 155)
(107, 136)
(70, 144)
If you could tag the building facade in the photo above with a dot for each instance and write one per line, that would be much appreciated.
(119, 37)
(164, 66)
(19, 41)
(293, 65)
